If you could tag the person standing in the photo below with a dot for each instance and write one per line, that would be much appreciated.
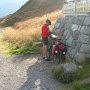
(45, 35)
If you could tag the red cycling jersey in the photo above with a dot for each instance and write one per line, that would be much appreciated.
(45, 31)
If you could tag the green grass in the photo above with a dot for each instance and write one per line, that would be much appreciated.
(65, 87)
(77, 85)
(25, 49)
(85, 71)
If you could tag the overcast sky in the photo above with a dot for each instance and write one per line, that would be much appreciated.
(10, 6)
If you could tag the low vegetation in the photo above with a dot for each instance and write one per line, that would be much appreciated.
(84, 75)
(84, 72)
(63, 77)
(77, 85)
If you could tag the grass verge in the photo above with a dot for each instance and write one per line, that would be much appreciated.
(77, 85)
(83, 74)
(30, 48)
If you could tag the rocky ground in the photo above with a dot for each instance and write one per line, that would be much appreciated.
(24, 72)
(27, 72)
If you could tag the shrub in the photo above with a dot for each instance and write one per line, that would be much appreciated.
(59, 74)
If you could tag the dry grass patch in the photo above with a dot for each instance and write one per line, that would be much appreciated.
(20, 37)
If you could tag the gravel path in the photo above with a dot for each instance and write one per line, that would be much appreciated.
(26, 72)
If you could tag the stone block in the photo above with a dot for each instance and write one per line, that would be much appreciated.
(80, 20)
(65, 32)
(74, 27)
(84, 39)
(76, 35)
(87, 20)
(66, 18)
(77, 48)
(69, 51)
(57, 25)
(71, 19)
(80, 58)
(69, 41)
(67, 25)
(86, 30)
(87, 55)
(59, 20)
(68, 35)
(75, 20)
(79, 27)
(73, 53)
(74, 44)
(82, 29)
(85, 48)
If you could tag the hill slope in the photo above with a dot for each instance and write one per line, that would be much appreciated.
(33, 8)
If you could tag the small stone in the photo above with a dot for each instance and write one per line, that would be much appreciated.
(80, 67)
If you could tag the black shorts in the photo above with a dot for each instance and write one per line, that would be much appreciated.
(45, 41)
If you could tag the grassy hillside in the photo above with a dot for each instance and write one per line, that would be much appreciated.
(33, 8)
(26, 35)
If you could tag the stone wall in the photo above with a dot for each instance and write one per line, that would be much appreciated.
(75, 32)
